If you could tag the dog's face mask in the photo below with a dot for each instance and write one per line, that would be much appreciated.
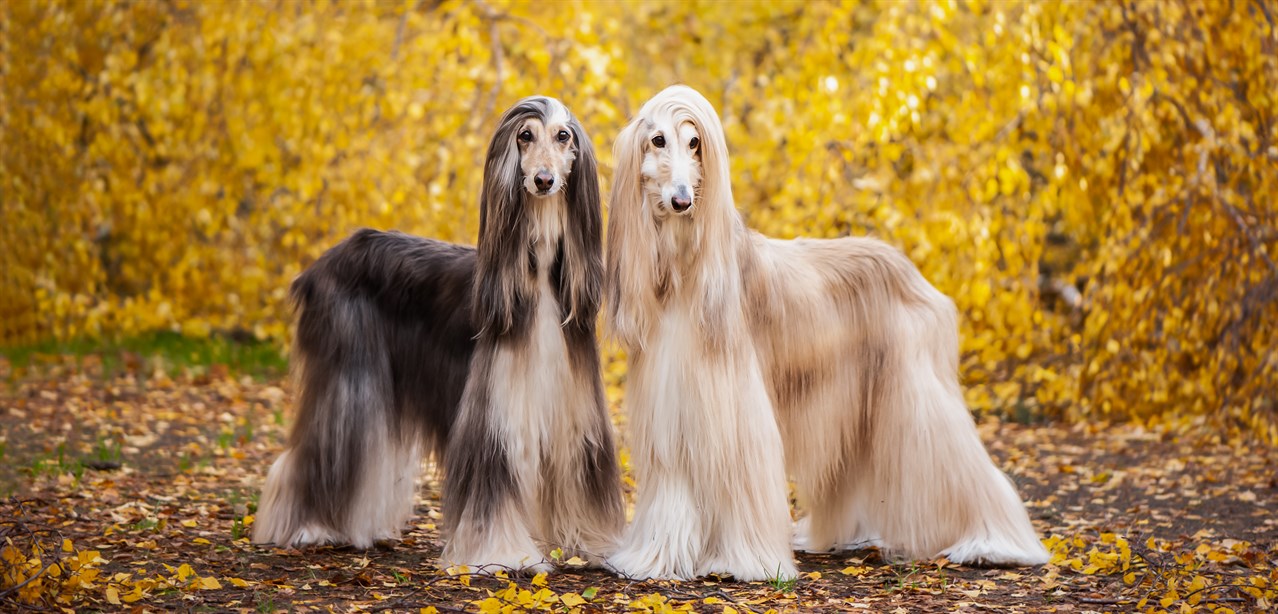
(671, 164)
(546, 154)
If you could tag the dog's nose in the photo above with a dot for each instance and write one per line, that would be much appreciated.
(682, 198)
(544, 180)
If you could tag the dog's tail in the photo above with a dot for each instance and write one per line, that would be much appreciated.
(348, 474)
(937, 488)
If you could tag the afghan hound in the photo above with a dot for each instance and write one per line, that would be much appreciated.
(485, 356)
(832, 360)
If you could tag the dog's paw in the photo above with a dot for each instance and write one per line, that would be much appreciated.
(542, 567)
(802, 539)
(637, 566)
(511, 563)
(750, 570)
(314, 535)
(995, 553)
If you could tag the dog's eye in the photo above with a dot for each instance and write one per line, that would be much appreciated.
(563, 136)
(526, 136)
(694, 143)
(659, 141)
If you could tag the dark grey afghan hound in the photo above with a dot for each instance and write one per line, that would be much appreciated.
(483, 356)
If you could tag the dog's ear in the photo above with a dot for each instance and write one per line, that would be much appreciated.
(716, 172)
(581, 271)
(718, 221)
(631, 274)
(501, 288)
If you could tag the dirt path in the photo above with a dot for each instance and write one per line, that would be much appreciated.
(137, 492)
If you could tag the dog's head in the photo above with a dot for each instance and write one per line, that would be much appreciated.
(546, 149)
(670, 175)
(671, 166)
(675, 149)
(539, 156)
(535, 148)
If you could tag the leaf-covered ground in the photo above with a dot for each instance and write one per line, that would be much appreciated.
(126, 487)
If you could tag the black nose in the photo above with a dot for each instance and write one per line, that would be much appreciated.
(680, 204)
(544, 180)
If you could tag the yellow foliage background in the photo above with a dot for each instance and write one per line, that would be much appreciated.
(1093, 183)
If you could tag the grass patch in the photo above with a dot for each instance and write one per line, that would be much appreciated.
(172, 351)
(265, 602)
(57, 462)
(907, 578)
(783, 584)
(146, 524)
(106, 455)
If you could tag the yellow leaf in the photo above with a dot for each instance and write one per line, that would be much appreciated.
(571, 600)
(210, 583)
(539, 579)
(112, 595)
(490, 605)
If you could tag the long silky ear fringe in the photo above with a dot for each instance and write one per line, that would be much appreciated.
(631, 268)
(502, 292)
(581, 275)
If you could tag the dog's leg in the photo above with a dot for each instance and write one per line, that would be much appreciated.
(499, 540)
(347, 478)
(281, 520)
(583, 507)
(489, 477)
(582, 511)
(384, 502)
(835, 520)
(821, 453)
(667, 536)
(828, 515)
(935, 489)
(750, 537)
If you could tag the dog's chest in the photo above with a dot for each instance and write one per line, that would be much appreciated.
(673, 371)
(533, 385)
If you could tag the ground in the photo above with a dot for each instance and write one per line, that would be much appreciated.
(130, 484)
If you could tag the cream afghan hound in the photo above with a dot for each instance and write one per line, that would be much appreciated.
(485, 356)
(832, 360)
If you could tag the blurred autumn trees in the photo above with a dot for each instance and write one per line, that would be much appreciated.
(1093, 183)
